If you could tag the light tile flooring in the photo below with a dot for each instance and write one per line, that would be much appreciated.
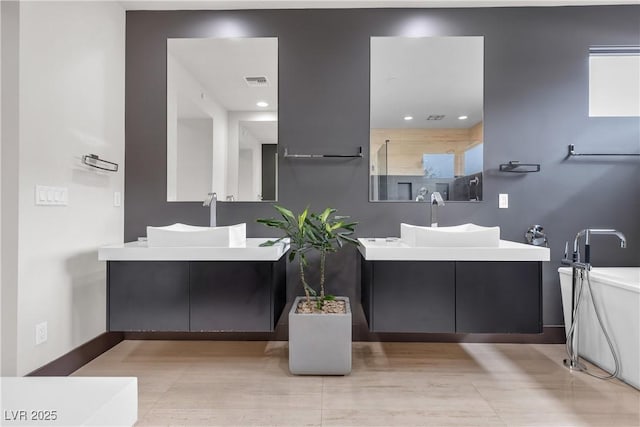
(216, 383)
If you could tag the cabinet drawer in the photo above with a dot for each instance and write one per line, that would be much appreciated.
(499, 297)
(231, 296)
(148, 296)
(410, 296)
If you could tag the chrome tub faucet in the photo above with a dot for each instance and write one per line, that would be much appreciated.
(586, 233)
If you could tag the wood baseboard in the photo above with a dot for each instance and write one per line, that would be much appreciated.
(78, 357)
(279, 335)
(550, 335)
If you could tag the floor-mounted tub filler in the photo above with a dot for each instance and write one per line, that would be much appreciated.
(602, 312)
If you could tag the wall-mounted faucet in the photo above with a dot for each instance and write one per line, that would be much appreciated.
(436, 200)
(211, 201)
(422, 193)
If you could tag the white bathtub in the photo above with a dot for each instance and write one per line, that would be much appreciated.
(617, 293)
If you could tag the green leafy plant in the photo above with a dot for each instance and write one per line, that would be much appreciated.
(332, 232)
(322, 232)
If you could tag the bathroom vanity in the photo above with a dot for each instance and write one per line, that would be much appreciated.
(432, 289)
(195, 289)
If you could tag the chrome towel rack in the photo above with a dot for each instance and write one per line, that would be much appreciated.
(515, 166)
(323, 156)
(96, 162)
(572, 153)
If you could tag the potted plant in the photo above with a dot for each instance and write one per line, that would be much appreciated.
(319, 323)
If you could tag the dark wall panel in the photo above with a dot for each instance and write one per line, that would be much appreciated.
(269, 152)
(536, 103)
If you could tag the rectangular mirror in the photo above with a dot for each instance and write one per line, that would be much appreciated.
(222, 119)
(426, 118)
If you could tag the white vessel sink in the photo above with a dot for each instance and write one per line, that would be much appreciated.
(182, 235)
(465, 235)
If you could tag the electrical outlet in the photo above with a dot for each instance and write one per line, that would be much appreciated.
(41, 332)
(503, 201)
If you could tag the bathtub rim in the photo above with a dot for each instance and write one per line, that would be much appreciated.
(607, 275)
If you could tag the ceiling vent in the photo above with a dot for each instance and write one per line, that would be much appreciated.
(435, 117)
(257, 81)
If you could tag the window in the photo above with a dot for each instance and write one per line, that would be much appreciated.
(438, 165)
(473, 160)
(614, 81)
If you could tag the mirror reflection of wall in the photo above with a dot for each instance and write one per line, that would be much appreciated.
(222, 118)
(426, 118)
(255, 137)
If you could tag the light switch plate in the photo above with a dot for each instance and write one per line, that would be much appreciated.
(503, 201)
(51, 196)
(117, 199)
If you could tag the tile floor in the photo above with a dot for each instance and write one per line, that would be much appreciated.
(245, 383)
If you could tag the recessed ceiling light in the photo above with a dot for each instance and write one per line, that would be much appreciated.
(408, 118)
(463, 118)
(262, 104)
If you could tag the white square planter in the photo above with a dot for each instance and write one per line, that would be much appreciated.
(320, 344)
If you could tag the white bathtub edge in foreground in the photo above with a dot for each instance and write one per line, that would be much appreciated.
(617, 294)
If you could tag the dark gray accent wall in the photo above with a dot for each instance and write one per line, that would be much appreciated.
(536, 103)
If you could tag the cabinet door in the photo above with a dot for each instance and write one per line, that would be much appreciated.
(410, 296)
(231, 296)
(148, 296)
(499, 297)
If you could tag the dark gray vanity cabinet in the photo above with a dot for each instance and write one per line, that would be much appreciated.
(499, 296)
(195, 296)
(236, 296)
(148, 295)
(409, 296)
(452, 296)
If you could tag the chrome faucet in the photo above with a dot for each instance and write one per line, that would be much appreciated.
(587, 232)
(436, 200)
(211, 201)
(579, 269)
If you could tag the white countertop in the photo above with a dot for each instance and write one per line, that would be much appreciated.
(394, 249)
(139, 251)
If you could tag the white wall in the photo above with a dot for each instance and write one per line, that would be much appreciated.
(0, 191)
(233, 165)
(246, 169)
(194, 155)
(249, 167)
(9, 169)
(71, 103)
(172, 131)
(181, 84)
